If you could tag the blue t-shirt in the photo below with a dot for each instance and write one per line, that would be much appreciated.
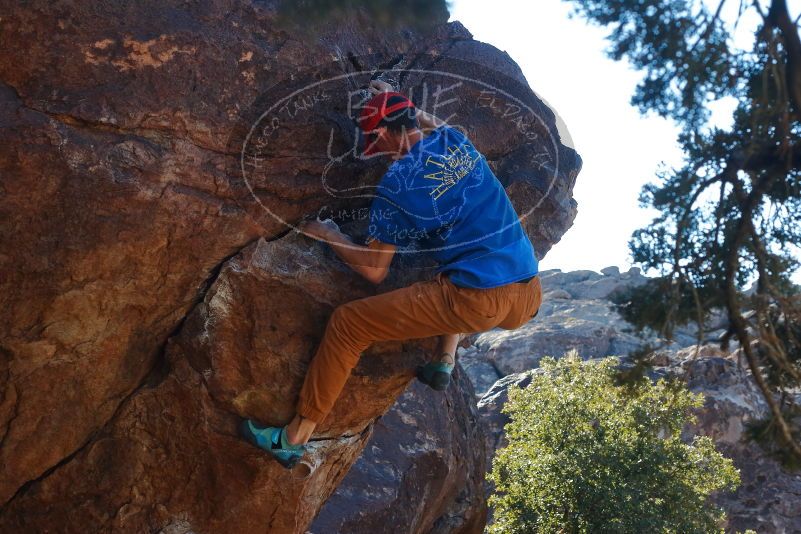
(442, 198)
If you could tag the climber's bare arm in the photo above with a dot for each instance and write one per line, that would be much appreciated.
(371, 261)
(427, 121)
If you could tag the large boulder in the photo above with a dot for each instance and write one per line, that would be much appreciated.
(174, 446)
(586, 284)
(171, 451)
(124, 219)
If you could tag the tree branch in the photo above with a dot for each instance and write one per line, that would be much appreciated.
(709, 27)
(779, 17)
(736, 318)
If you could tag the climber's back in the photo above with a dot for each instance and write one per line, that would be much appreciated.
(443, 198)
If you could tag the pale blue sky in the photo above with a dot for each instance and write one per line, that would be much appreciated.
(564, 62)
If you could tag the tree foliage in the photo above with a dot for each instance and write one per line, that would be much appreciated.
(732, 212)
(586, 455)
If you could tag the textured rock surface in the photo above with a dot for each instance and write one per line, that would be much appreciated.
(769, 497)
(172, 452)
(490, 406)
(118, 208)
(576, 313)
(422, 470)
(175, 442)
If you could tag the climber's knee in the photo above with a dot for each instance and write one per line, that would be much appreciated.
(340, 320)
(344, 331)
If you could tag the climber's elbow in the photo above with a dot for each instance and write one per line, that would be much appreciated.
(377, 261)
(375, 275)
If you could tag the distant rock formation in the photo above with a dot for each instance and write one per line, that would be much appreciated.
(576, 313)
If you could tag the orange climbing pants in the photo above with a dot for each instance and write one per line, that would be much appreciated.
(421, 310)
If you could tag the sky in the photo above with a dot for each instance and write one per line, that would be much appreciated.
(564, 62)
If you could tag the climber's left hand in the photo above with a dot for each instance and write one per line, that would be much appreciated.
(317, 229)
(379, 86)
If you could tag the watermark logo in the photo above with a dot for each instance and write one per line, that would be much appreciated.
(302, 156)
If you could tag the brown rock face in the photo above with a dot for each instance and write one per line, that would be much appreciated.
(240, 352)
(422, 470)
(125, 222)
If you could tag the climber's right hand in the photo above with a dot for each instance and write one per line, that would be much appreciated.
(378, 86)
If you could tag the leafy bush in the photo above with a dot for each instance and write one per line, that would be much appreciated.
(588, 455)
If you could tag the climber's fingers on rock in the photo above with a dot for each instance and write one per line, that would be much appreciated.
(315, 229)
(378, 86)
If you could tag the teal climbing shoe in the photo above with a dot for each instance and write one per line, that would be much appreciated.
(273, 440)
(436, 375)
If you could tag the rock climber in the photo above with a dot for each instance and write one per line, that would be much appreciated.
(438, 197)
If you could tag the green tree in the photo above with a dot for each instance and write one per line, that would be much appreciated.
(732, 211)
(588, 455)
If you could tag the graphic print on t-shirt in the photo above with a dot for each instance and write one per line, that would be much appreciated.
(416, 185)
(442, 198)
(449, 169)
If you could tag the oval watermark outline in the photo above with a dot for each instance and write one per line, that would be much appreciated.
(401, 250)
